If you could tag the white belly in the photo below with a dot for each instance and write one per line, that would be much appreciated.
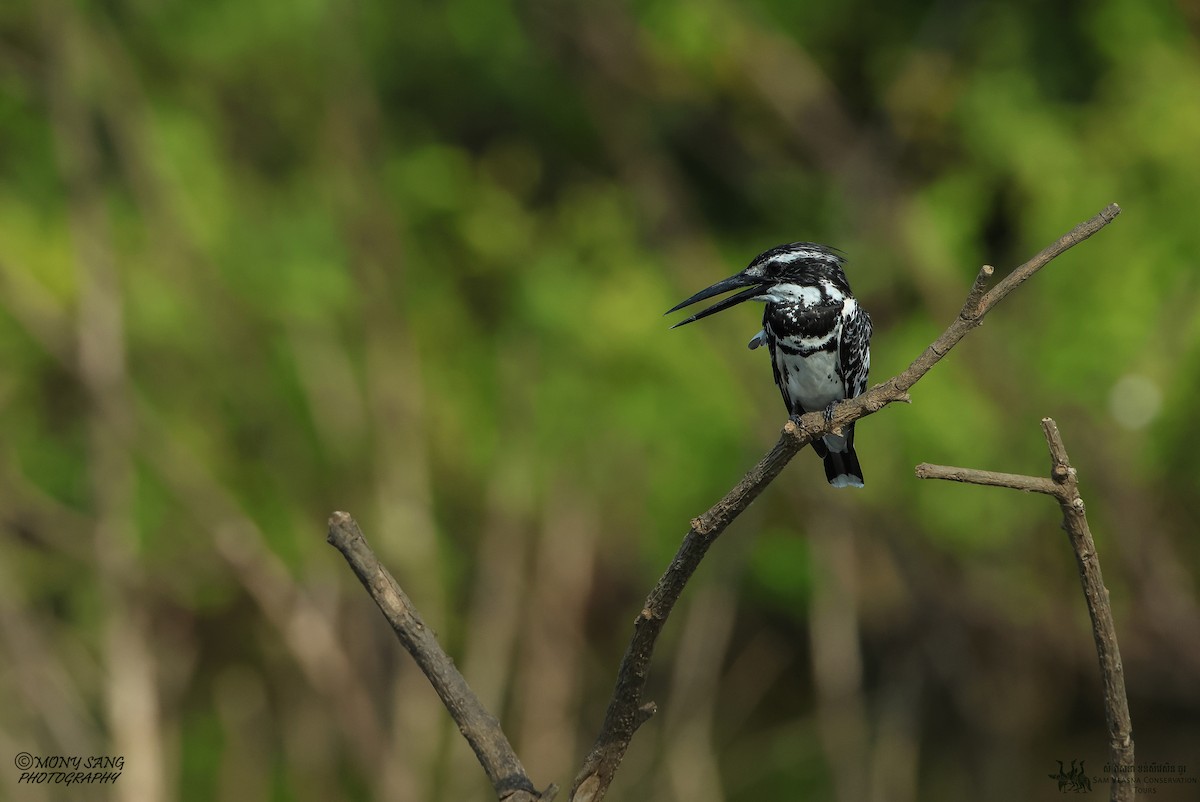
(812, 381)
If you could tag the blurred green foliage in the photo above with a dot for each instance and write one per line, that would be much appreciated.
(264, 260)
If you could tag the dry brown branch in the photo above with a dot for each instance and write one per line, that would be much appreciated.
(1063, 484)
(626, 710)
(478, 726)
(970, 476)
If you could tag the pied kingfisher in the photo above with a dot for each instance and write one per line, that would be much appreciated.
(818, 336)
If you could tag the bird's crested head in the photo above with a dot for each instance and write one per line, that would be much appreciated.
(806, 264)
(797, 263)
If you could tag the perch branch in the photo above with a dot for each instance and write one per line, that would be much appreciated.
(1063, 484)
(626, 711)
(478, 726)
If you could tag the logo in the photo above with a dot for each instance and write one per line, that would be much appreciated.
(1073, 779)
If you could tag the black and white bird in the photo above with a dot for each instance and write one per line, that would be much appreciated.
(818, 336)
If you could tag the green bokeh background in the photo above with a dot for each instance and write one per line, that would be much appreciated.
(262, 260)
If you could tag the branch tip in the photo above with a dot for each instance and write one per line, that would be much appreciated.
(972, 308)
(341, 527)
(645, 713)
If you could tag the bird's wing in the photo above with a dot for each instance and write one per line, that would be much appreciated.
(771, 346)
(854, 351)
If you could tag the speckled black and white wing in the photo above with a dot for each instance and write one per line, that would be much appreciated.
(854, 348)
(769, 338)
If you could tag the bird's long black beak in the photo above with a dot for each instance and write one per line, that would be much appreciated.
(731, 283)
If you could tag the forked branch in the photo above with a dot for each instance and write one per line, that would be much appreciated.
(626, 709)
(1063, 484)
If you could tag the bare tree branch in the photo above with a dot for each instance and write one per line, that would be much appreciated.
(626, 710)
(1064, 486)
(970, 476)
(478, 726)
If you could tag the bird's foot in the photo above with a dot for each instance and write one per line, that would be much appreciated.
(829, 411)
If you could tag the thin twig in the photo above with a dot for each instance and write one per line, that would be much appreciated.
(478, 726)
(970, 476)
(1063, 484)
(626, 709)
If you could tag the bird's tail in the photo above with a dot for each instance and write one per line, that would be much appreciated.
(841, 461)
(842, 468)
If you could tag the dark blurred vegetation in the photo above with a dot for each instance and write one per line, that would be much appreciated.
(263, 260)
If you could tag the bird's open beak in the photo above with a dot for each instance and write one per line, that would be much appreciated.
(731, 283)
